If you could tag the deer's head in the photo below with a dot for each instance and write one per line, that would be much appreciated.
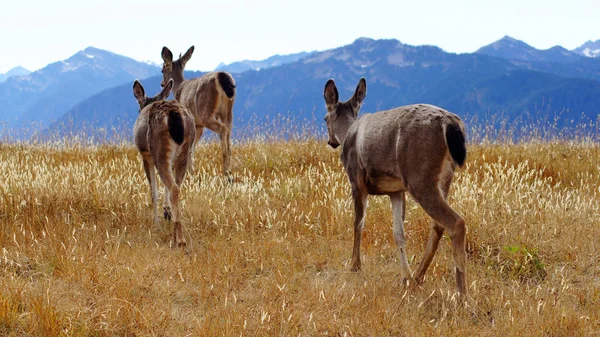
(340, 115)
(140, 94)
(174, 69)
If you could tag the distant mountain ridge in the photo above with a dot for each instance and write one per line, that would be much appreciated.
(556, 60)
(38, 99)
(510, 48)
(273, 61)
(16, 71)
(477, 85)
(513, 49)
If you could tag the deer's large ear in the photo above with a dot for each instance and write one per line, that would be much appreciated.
(166, 54)
(166, 91)
(138, 91)
(186, 57)
(331, 93)
(361, 91)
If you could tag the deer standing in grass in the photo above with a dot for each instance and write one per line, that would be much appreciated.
(164, 134)
(209, 98)
(413, 148)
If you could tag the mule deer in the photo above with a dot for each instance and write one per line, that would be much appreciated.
(209, 98)
(164, 135)
(413, 148)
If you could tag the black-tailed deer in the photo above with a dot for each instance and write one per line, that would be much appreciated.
(164, 134)
(209, 98)
(413, 148)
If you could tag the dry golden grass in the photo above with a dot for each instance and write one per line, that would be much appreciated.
(269, 254)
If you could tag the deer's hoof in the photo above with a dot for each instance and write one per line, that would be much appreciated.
(179, 243)
(167, 214)
(419, 280)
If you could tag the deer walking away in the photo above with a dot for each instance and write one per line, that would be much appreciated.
(414, 149)
(209, 99)
(164, 135)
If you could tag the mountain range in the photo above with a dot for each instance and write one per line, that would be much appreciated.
(91, 91)
(36, 100)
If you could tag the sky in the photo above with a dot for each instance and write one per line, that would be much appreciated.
(36, 33)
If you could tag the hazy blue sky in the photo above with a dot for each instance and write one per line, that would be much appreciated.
(35, 33)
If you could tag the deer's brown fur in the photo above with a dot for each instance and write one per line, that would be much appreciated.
(209, 98)
(413, 148)
(164, 134)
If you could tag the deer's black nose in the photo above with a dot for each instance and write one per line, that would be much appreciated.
(333, 144)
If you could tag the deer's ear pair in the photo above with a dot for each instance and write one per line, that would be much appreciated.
(167, 56)
(140, 93)
(332, 97)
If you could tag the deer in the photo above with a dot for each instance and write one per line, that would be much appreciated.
(164, 134)
(415, 149)
(209, 98)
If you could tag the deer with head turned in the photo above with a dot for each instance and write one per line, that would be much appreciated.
(209, 98)
(413, 149)
(164, 134)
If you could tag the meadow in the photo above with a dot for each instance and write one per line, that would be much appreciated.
(269, 254)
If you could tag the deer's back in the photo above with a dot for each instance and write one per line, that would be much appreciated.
(398, 143)
(199, 95)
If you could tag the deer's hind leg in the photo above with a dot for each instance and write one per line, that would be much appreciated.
(151, 177)
(223, 129)
(198, 135)
(431, 196)
(437, 230)
(169, 181)
(181, 163)
(432, 245)
(172, 191)
(228, 121)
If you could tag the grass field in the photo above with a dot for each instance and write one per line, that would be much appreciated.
(269, 254)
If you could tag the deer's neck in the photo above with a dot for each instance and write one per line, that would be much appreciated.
(343, 126)
(177, 80)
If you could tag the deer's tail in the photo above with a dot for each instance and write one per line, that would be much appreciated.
(227, 83)
(455, 140)
(175, 124)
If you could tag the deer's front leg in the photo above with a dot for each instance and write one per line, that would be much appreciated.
(360, 206)
(398, 209)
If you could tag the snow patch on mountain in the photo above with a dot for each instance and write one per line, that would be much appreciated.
(589, 49)
(66, 67)
(591, 52)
